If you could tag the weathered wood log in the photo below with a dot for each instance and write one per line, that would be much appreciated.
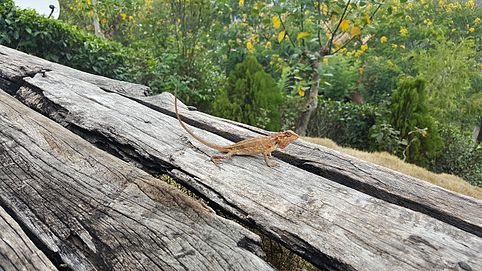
(92, 211)
(383, 183)
(15, 65)
(332, 225)
(17, 251)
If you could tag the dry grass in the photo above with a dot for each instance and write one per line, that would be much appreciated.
(447, 181)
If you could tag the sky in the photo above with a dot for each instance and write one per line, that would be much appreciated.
(41, 6)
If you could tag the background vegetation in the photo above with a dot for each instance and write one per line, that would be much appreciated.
(397, 76)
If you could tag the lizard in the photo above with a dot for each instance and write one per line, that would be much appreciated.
(252, 146)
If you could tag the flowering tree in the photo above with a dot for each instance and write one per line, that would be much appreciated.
(303, 34)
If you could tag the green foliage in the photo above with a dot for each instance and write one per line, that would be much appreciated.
(449, 70)
(379, 79)
(409, 115)
(53, 40)
(251, 96)
(461, 155)
(383, 137)
(339, 78)
(347, 124)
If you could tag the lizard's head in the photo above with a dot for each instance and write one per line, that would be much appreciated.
(285, 138)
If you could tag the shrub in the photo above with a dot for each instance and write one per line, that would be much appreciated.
(461, 155)
(56, 41)
(251, 96)
(347, 124)
(409, 115)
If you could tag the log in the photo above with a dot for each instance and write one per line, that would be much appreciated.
(332, 225)
(458, 210)
(17, 251)
(15, 65)
(92, 211)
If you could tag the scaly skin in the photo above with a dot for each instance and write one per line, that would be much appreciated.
(258, 145)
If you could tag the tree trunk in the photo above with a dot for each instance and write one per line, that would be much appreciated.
(95, 19)
(312, 101)
(478, 137)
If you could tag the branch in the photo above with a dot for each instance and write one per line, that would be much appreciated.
(352, 38)
(338, 25)
(286, 32)
(319, 20)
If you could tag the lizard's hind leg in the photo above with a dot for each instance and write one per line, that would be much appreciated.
(217, 157)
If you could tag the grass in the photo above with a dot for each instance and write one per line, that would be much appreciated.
(447, 181)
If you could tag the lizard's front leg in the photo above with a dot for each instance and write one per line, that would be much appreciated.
(216, 157)
(269, 162)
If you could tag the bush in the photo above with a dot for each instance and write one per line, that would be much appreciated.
(347, 124)
(461, 155)
(251, 96)
(339, 78)
(409, 115)
(56, 41)
(379, 79)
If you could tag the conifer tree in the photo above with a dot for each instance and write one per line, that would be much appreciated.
(410, 116)
(251, 96)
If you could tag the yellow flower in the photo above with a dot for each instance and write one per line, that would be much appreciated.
(343, 50)
(428, 22)
(355, 31)
(250, 46)
(358, 53)
(471, 29)
(301, 92)
(383, 39)
(131, 18)
(324, 9)
(123, 15)
(344, 25)
(325, 61)
(268, 44)
(328, 35)
(361, 70)
(477, 20)
(402, 46)
(364, 47)
(276, 22)
(470, 4)
(403, 31)
(394, 46)
(241, 3)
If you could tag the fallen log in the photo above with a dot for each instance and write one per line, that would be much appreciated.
(17, 251)
(16, 65)
(458, 210)
(332, 225)
(88, 210)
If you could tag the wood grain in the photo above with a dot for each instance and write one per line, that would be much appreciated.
(92, 211)
(332, 225)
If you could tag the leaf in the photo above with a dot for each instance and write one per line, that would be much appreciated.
(276, 22)
(302, 35)
(355, 31)
(281, 36)
(344, 25)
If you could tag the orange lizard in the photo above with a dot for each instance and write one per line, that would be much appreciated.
(251, 146)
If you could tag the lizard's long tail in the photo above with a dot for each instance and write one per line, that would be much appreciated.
(211, 145)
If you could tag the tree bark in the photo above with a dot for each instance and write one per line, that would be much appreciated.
(312, 100)
(95, 21)
(479, 135)
(336, 211)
